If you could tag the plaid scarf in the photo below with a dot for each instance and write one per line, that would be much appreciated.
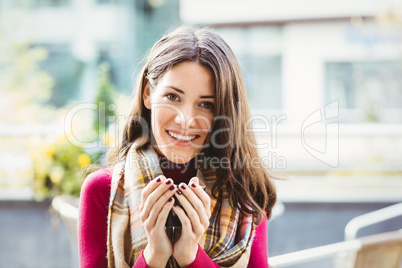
(227, 241)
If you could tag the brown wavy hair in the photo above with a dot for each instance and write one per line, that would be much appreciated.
(254, 190)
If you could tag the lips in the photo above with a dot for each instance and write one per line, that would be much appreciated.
(181, 136)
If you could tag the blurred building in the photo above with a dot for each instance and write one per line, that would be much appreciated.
(325, 84)
(323, 77)
(80, 34)
(291, 53)
(312, 52)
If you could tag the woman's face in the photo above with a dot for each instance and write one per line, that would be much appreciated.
(182, 110)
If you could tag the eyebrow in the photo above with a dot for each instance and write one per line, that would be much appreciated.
(182, 92)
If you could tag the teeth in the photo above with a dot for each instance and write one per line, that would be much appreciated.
(180, 137)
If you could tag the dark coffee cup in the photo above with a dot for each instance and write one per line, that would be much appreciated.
(173, 219)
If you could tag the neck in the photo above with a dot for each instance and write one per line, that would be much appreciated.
(178, 172)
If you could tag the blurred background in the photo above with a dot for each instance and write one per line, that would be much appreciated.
(324, 83)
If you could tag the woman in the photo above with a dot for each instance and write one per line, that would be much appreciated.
(187, 128)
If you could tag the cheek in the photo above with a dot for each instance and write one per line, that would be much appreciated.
(205, 122)
(162, 117)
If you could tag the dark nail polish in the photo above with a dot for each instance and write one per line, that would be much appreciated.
(179, 192)
(169, 181)
(170, 199)
(175, 205)
(171, 188)
(158, 180)
(193, 185)
(183, 186)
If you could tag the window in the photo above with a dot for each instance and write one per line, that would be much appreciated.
(104, 1)
(66, 71)
(371, 90)
(258, 50)
(51, 3)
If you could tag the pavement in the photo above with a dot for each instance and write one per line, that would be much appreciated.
(31, 235)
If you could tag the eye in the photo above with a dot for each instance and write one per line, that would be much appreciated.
(172, 97)
(208, 105)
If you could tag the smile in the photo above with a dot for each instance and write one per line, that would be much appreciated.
(181, 137)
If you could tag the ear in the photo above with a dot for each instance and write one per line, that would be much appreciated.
(146, 94)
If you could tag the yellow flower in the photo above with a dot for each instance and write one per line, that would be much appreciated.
(57, 175)
(83, 160)
(49, 150)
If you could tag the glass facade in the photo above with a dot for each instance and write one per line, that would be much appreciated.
(66, 71)
(258, 50)
(371, 87)
(49, 3)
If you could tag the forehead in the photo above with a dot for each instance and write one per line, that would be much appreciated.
(190, 77)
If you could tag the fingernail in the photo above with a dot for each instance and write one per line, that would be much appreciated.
(175, 205)
(193, 185)
(183, 186)
(179, 192)
(169, 181)
(170, 199)
(171, 188)
(158, 180)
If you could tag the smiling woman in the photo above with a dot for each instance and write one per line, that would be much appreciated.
(191, 96)
(181, 110)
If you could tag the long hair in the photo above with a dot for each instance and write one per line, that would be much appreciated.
(231, 139)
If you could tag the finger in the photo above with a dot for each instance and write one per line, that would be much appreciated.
(154, 196)
(198, 199)
(164, 213)
(204, 213)
(195, 180)
(201, 194)
(150, 188)
(198, 218)
(158, 206)
(184, 219)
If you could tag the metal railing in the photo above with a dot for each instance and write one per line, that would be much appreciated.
(351, 246)
(67, 207)
(314, 254)
(371, 218)
(348, 254)
(64, 206)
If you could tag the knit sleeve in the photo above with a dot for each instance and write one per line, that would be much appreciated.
(92, 220)
(140, 262)
(202, 260)
(259, 248)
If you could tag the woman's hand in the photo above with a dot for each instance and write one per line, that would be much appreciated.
(197, 205)
(156, 202)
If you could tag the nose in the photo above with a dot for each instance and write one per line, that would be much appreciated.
(186, 118)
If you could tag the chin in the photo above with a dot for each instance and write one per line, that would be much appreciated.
(179, 154)
(179, 158)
